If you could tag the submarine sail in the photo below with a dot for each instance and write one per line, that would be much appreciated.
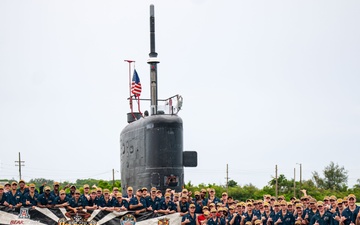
(151, 145)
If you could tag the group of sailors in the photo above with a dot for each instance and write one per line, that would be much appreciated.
(202, 207)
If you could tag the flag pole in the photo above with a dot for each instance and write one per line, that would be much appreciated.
(129, 61)
(130, 97)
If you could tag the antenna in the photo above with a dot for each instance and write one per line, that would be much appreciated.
(153, 61)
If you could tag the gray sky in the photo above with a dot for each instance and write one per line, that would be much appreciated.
(263, 82)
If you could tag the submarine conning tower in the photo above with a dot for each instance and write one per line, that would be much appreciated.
(151, 146)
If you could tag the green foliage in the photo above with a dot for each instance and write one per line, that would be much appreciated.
(335, 178)
(333, 183)
(232, 183)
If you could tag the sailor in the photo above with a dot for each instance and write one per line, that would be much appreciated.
(138, 203)
(311, 211)
(55, 192)
(2, 195)
(203, 193)
(176, 199)
(13, 197)
(93, 202)
(152, 201)
(45, 200)
(71, 194)
(106, 203)
(199, 202)
(99, 194)
(159, 194)
(299, 213)
(22, 187)
(336, 217)
(232, 216)
(224, 199)
(322, 217)
(145, 192)
(266, 214)
(183, 206)
(284, 217)
(214, 220)
(202, 219)
(129, 194)
(86, 195)
(190, 217)
(351, 213)
(166, 206)
(250, 214)
(30, 198)
(61, 201)
(212, 197)
(76, 206)
(7, 187)
(120, 204)
(114, 193)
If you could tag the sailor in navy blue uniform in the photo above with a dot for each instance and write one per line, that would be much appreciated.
(166, 206)
(30, 198)
(22, 188)
(152, 201)
(190, 217)
(2, 196)
(13, 197)
(61, 201)
(212, 197)
(138, 203)
(183, 206)
(214, 220)
(351, 213)
(45, 200)
(93, 202)
(284, 217)
(322, 217)
(120, 204)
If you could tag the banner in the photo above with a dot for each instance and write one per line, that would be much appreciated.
(45, 216)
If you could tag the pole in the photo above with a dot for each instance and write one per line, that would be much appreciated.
(129, 61)
(300, 175)
(20, 164)
(276, 184)
(294, 183)
(113, 177)
(227, 178)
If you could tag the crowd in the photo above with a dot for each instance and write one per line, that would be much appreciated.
(202, 207)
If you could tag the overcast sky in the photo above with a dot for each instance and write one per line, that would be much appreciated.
(264, 83)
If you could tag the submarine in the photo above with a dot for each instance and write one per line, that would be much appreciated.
(151, 144)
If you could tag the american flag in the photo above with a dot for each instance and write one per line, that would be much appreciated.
(136, 85)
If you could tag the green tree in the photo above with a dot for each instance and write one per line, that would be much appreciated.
(285, 186)
(232, 183)
(335, 178)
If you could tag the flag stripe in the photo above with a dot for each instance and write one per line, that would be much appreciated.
(136, 85)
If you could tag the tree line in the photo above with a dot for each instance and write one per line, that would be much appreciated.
(332, 181)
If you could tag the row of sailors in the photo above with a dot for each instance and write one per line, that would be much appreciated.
(268, 211)
(281, 213)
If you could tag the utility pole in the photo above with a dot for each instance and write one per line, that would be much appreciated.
(227, 178)
(20, 164)
(276, 183)
(294, 183)
(300, 175)
(113, 171)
